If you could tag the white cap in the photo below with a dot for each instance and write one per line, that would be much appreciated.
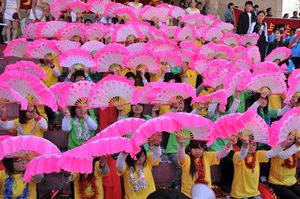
(202, 191)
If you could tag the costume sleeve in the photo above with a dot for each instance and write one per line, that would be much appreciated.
(274, 151)
(120, 163)
(66, 124)
(289, 152)
(42, 123)
(8, 125)
(92, 124)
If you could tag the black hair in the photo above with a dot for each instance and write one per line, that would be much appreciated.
(130, 75)
(22, 115)
(73, 111)
(286, 15)
(278, 26)
(194, 144)
(138, 80)
(279, 30)
(167, 194)
(88, 20)
(249, 3)
(8, 163)
(168, 77)
(131, 113)
(256, 6)
(131, 162)
(78, 73)
(269, 9)
(261, 12)
(229, 5)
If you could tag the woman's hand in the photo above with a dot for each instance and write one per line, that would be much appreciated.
(180, 139)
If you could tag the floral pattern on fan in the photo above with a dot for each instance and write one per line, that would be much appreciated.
(9, 95)
(28, 67)
(16, 48)
(113, 90)
(78, 57)
(75, 94)
(28, 85)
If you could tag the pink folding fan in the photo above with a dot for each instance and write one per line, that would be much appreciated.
(95, 31)
(176, 12)
(112, 55)
(231, 39)
(9, 95)
(49, 29)
(194, 126)
(44, 164)
(28, 67)
(75, 164)
(24, 145)
(78, 58)
(186, 33)
(30, 87)
(272, 81)
(279, 54)
(127, 13)
(119, 128)
(219, 97)
(170, 93)
(288, 124)
(97, 6)
(78, 6)
(16, 48)
(105, 146)
(76, 93)
(122, 32)
(153, 126)
(249, 39)
(39, 49)
(92, 46)
(113, 90)
(71, 31)
(144, 61)
(66, 45)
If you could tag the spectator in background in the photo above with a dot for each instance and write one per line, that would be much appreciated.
(294, 45)
(256, 9)
(286, 15)
(199, 6)
(260, 27)
(295, 15)
(272, 36)
(182, 4)
(269, 12)
(246, 19)
(229, 13)
(192, 8)
(278, 42)
(11, 12)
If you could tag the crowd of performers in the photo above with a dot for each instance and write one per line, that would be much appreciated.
(164, 82)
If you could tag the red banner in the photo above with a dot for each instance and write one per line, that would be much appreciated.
(271, 21)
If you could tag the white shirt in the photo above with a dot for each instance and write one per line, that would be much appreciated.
(192, 11)
(138, 6)
(249, 16)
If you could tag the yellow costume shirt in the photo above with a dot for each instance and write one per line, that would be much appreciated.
(141, 194)
(18, 186)
(274, 102)
(98, 182)
(187, 181)
(245, 181)
(30, 128)
(280, 175)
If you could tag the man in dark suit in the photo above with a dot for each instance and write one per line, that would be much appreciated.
(245, 19)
